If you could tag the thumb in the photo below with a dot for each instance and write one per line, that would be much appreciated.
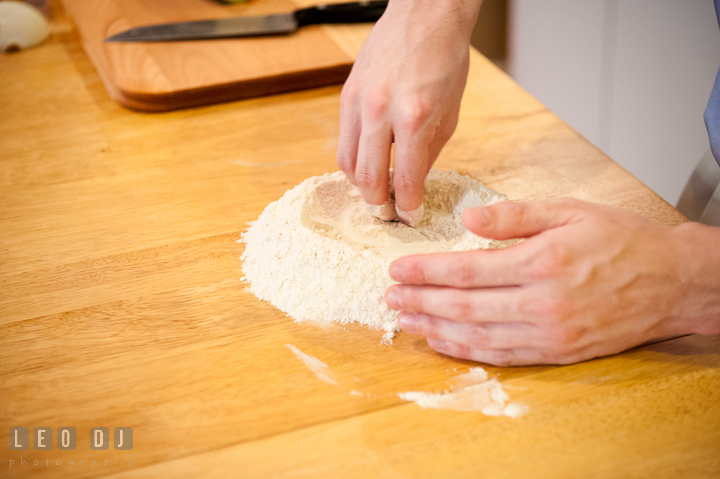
(509, 220)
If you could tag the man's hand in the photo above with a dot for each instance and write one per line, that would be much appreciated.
(405, 87)
(589, 281)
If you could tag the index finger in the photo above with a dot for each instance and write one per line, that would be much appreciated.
(465, 269)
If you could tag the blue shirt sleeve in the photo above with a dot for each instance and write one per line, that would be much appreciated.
(712, 111)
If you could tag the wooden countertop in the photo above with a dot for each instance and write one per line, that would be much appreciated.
(122, 305)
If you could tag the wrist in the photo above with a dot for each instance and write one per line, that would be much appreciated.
(698, 255)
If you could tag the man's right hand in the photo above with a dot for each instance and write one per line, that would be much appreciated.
(405, 87)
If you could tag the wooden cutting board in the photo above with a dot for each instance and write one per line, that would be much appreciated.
(173, 75)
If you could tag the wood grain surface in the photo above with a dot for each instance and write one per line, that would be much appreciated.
(170, 75)
(122, 303)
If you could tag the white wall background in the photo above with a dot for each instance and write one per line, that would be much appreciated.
(632, 76)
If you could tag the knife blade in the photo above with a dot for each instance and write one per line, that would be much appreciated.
(278, 24)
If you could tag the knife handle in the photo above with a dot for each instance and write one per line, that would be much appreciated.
(353, 12)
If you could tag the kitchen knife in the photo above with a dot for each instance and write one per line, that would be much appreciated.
(279, 24)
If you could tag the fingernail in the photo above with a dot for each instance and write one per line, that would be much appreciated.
(408, 323)
(385, 211)
(397, 272)
(483, 216)
(439, 346)
(411, 218)
(393, 300)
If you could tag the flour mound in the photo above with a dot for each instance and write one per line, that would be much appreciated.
(318, 255)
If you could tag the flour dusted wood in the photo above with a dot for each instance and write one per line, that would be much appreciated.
(318, 255)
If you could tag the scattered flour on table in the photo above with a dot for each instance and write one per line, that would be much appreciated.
(361, 394)
(472, 391)
(318, 255)
(476, 393)
(320, 369)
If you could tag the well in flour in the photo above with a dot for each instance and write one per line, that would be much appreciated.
(318, 255)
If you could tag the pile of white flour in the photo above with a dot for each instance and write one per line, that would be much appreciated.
(318, 255)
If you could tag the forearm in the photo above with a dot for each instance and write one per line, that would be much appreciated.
(698, 249)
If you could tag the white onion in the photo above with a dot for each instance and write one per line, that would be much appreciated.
(21, 26)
